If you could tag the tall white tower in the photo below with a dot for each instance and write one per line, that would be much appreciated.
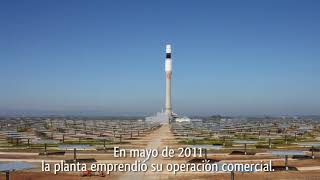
(168, 69)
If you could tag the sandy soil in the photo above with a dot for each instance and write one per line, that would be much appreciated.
(159, 139)
(299, 175)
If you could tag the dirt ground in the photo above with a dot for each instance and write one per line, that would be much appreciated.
(307, 175)
(159, 139)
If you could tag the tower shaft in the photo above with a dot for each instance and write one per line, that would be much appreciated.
(168, 93)
(168, 70)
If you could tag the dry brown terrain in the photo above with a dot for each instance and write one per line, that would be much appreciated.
(159, 139)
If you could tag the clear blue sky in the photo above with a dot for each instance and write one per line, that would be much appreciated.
(107, 57)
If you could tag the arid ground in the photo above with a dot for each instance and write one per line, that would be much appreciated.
(158, 139)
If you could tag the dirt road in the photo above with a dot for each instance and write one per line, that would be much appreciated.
(156, 142)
